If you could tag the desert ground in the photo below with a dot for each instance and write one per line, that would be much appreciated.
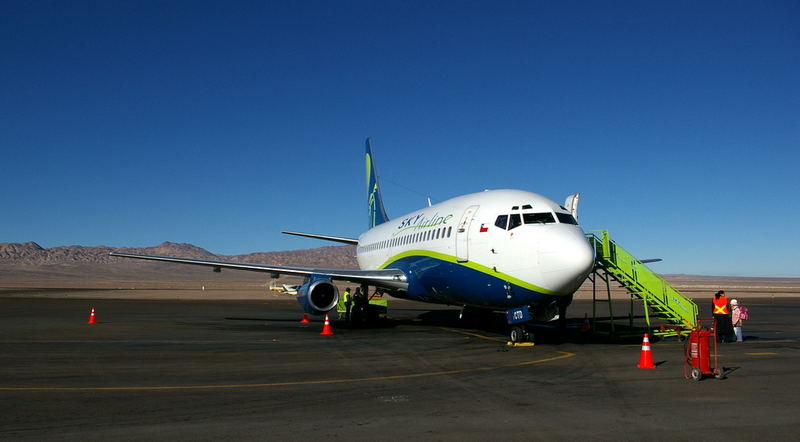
(135, 280)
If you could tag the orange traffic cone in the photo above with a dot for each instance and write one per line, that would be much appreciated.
(586, 326)
(305, 319)
(92, 319)
(326, 329)
(646, 356)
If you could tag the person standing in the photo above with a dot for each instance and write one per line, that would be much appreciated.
(737, 318)
(722, 319)
(348, 303)
(359, 306)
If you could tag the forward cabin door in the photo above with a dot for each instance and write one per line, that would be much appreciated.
(462, 234)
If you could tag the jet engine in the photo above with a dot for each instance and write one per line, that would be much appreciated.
(318, 295)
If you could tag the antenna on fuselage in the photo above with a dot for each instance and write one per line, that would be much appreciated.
(429, 202)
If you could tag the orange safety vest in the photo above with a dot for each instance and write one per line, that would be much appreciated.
(720, 305)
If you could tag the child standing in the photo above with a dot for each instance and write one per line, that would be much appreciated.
(737, 318)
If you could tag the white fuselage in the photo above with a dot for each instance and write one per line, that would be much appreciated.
(495, 248)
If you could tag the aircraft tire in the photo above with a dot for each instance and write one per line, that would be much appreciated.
(517, 334)
(528, 335)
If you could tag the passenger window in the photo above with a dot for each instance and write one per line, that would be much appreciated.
(501, 221)
(566, 218)
(514, 221)
(538, 218)
(449, 231)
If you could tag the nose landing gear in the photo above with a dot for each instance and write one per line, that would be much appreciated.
(519, 334)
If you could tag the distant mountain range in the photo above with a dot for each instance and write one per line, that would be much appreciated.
(32, 254)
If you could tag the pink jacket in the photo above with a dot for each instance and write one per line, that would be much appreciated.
(737, 322)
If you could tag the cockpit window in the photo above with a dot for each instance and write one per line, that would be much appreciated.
(566, 218)
(514, 221)
(501, 221)
(527, 206)
(538, 218)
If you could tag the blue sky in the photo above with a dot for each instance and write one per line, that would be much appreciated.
(221, 123)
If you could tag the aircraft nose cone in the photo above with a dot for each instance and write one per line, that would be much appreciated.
(566, 260)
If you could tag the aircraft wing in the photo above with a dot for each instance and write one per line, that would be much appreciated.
(386, 278)
(340, 239)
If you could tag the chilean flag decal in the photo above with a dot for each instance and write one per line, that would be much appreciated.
(484, 228)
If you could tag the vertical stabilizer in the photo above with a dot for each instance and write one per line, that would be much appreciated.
(377, 214)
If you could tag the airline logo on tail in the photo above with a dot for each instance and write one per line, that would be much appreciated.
(377, 213)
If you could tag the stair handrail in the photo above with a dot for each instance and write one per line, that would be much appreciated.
(635, 273)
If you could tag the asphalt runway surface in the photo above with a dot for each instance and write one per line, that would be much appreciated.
(211, 370)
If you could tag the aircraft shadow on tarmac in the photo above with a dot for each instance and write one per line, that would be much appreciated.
(493, 325)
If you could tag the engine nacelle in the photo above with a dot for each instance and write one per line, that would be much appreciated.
(318, 295)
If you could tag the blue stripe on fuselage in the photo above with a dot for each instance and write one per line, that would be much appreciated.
(433, 280)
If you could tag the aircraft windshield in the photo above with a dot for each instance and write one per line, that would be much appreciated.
(538, 218)
(501, 221)
(508, 222)
(566, 218)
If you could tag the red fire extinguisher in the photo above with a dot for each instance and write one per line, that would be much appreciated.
(699, 351)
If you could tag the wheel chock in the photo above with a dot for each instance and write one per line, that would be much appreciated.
(519, 344)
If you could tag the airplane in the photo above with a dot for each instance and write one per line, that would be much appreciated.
(496, 250)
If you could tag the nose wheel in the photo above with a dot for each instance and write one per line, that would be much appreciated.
(520, 334)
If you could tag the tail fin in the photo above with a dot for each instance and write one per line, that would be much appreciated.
(377, 214)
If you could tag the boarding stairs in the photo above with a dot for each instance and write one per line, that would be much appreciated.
(660, 300)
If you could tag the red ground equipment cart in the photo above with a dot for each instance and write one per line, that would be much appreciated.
(699, 350)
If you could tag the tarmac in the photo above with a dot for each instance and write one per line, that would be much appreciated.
(211, 370)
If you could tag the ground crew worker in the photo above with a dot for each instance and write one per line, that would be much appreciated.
(348, 302)
(722, 318)
(359, 306)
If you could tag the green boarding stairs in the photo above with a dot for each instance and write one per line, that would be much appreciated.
(656, 294)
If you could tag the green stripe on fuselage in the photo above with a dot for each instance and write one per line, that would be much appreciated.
(472, 265)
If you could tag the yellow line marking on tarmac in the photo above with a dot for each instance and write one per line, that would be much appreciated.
(563, 355)
(761, 354)
(777, 341)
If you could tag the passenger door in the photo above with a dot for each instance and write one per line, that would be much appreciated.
(462, 233)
